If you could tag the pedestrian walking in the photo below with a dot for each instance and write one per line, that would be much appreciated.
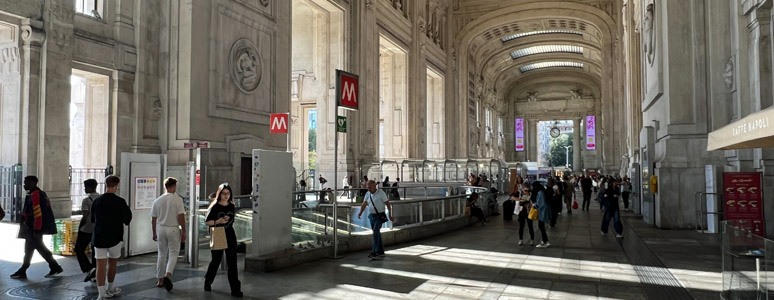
(221, 213)
(380, 209)
(586, 187)
(626, 189)
(168, 222)
(85, 230)
(37, 220)
(612, 210)
(540, 201)
(554, 198)
(110, 214)
(568, 193)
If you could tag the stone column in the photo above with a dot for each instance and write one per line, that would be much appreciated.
(53, 160)
(760, 46)
(576, 145)
(531, 137)
(31, 69)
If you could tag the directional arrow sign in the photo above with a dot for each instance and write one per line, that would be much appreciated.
(341, 124)
(347, 90)
(279, 123)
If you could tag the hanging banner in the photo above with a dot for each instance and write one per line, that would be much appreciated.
(519, 135)
(591, 133)
(743, 201)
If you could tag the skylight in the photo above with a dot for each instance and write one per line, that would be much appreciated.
(523, 34)
(546, 49)
(551, 64)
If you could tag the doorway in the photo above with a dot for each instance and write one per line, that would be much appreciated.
(555, 143)
(89, 132)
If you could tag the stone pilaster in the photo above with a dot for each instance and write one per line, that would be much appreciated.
(576, 145)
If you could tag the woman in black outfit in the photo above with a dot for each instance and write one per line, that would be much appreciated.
(524, 207)
(221, 213)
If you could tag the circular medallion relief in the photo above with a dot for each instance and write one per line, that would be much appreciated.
(245, 65)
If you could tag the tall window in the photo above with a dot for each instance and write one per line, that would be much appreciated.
(89, 7)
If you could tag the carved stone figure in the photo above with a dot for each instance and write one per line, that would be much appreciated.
(532, 96)
(245, 65)
(728, 74)
(649, 32)
(265, 3)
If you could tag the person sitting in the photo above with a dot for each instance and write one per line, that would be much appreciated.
(491, 202)
(475, 211)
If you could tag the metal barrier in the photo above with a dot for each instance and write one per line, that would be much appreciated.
(11, 192)
(702, 212)
(76, 178)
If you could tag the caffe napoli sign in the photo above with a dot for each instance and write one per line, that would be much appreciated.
(753, 131)
(751, 126)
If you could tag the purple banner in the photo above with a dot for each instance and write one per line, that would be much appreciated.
(591, 133)
(519, 134)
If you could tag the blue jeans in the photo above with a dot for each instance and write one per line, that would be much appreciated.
(376, 226)
(616, 215)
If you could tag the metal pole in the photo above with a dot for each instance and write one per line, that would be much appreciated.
(335, 180)
(193, 222)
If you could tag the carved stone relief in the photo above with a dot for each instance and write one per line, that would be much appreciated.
(265, 3)
(728, 74)
(156, 110)
(245, 65)
(649, 32)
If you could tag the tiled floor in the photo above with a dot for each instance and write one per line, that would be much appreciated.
(472, 263)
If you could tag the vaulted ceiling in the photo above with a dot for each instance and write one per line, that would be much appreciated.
(559, 48)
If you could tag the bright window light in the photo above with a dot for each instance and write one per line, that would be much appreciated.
(551, 64)
(546, 49)
(523, 34)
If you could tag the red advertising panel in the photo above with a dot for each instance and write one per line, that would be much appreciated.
(743, 201)
(279, 123)
(347, 90)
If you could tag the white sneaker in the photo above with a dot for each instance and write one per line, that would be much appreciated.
(542, 245)
(113, 292)
(619, 236)
(521, 242)
(603, 233)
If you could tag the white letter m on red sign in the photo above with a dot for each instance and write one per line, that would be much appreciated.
(348, 94)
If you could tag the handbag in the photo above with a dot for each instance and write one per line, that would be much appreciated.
(533, 214)
(381, 215)
(575, 205)
(218, 238)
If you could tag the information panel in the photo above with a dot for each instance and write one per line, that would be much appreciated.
(591, 132)
(743, 201)
(519, 134)
(145, 192)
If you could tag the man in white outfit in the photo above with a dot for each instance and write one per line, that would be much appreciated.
(168, 212)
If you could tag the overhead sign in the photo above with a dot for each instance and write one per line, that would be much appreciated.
(189, 146)
(743, 201)
(203, 144)
(279, 123)
(347, 90)
(591, 132)
(341, 124)
(519, 135)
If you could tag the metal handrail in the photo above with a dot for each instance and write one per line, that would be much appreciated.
(701, 209)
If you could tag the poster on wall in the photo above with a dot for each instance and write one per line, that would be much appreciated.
(144, 192)
(743, 201)
(519, 135)
(591, 133)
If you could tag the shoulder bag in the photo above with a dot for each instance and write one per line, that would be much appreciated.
(218, 238)
(381, 215)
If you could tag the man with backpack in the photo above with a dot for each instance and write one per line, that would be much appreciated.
(85, 230)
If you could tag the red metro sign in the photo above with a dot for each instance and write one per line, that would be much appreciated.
(279, 123)
(347, 90)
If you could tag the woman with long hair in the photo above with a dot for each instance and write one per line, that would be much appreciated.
(524, 207)
(540, 202)
(221, 213)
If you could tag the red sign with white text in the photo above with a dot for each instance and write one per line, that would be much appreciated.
(743, 201)
(279, 123)
(347, 90)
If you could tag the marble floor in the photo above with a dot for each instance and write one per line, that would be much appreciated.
(472, 263)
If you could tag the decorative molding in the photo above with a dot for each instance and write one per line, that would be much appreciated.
(649, 32)
(728, 74)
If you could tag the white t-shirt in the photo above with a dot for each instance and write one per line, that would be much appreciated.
(166, 208)
(379, 198)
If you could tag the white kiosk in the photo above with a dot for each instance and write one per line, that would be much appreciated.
(272, 182)
(142, 177)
